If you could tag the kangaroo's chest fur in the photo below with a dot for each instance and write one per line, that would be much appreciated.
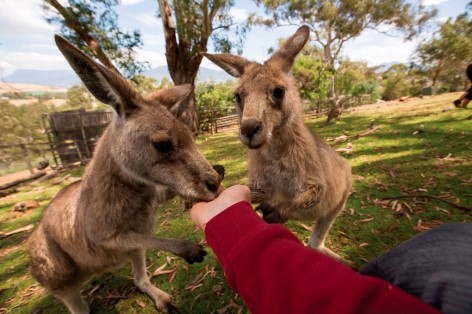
(296, 161)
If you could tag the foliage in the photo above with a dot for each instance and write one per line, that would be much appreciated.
(92, 25)
(311, 74)
(188, 27)
(389, 162)
(78, 97)
(446, 55)
(22, 124)
(213, 101)
(356, 79)
(335, 22)
(395, 82)
(401, 80)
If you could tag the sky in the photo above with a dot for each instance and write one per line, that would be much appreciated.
(26, 39)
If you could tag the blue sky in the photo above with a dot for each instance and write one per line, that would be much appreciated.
(26, 40)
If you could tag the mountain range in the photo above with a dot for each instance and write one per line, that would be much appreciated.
(67, 78)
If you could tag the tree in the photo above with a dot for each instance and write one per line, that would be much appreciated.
(92, 25)
(78, 97)
(311, 74)
(449, 50)
(356, 79)
(395, 82)
(214, 101)
(188, 26)
(334, 22)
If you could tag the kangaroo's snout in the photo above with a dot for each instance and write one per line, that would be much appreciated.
(251, 133)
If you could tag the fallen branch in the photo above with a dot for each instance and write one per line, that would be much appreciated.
(430, 197)
(343, 138)
(22, 180)
(23, 229)
(6, 192)
(347, 149)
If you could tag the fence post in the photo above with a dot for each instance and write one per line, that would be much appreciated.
(26, 158)
(84, 137)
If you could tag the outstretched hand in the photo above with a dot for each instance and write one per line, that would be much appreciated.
(202, 213)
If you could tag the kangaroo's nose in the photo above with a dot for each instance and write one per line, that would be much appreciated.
(212, 185)
(250, 127)
(221, 171)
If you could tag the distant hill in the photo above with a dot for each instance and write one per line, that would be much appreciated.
(67, 78)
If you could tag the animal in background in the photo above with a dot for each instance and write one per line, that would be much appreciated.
(108, 218)
(335, 112)
(293, 174)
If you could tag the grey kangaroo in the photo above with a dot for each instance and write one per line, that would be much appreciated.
(144, 156)
(292, 172)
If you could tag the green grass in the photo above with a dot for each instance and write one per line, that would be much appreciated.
(389, 162)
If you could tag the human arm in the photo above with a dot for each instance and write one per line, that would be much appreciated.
(274, 273)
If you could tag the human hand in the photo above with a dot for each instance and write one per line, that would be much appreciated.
(202, 213)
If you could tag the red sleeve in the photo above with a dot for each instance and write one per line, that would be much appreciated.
(274, 273)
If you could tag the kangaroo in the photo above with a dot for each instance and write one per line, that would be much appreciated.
(144, 156)
(293, 174)
(335, 112)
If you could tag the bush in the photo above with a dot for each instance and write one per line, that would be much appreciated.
(213, 101)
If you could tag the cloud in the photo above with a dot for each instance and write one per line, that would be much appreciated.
(379, 50)
(23, 18)
(238, 14)
(433, 2)
(131, 2)
(154, 58)
(147, 19)
(13, 60)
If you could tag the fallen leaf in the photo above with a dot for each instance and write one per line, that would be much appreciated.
(94, 290)
(196, 281)
(159, 269)
(172, 277)
(363, 244)
(366, 220)
(306, 227)
(140, 303)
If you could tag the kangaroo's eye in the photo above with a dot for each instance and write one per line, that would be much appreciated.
(163, 146)
(278, 93)
(237, 97)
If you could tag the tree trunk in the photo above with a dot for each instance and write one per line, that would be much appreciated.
(436, 73)
(329, 59)
(182, 69)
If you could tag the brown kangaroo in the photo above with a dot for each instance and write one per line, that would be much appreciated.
(335, 112)
(144, 156)
(292, 173)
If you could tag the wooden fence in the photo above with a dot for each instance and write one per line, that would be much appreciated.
(73, 134)
(313, 109)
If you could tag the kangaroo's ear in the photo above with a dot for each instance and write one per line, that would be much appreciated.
(107, 86)
(233, 65)
(284, 57)
(170, 97)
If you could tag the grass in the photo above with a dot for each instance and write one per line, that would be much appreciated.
(392, 161)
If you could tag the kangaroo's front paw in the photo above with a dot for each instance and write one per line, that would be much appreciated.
(194, 253)
(270, 214)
